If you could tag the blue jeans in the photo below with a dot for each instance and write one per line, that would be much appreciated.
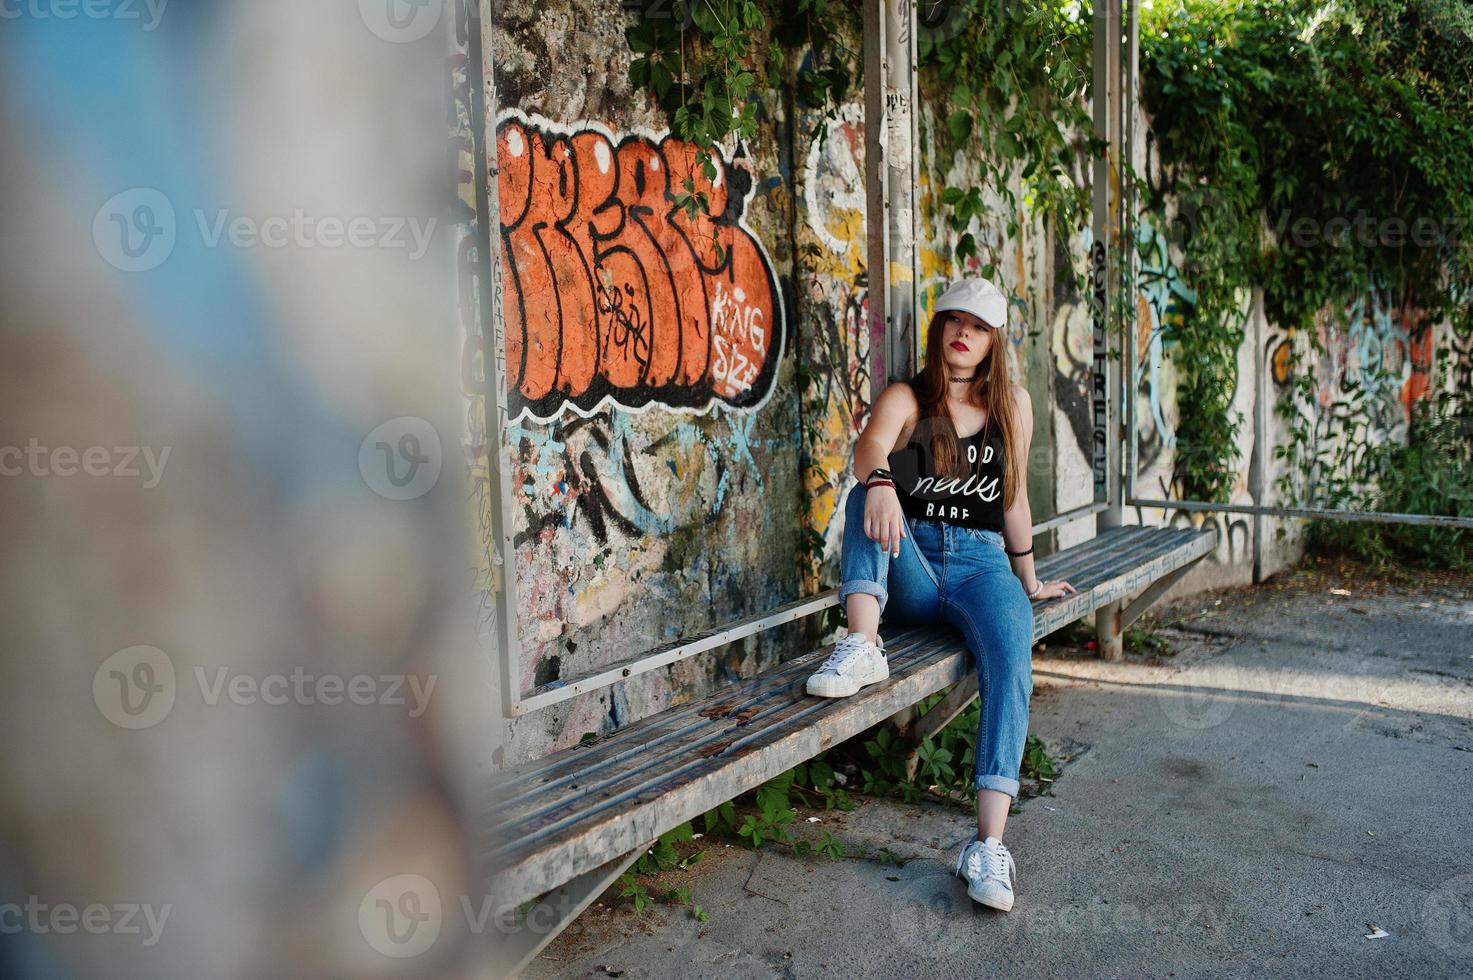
(960, 576)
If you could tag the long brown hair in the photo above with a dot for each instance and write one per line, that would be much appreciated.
(992, 389)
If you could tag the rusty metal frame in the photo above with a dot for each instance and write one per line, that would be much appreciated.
(562, 905)
(493, 359)
(1367, 516)
(891, 178)
(1108, 257)
(680, 649)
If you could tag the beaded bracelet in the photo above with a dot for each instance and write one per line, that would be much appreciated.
(1019, 554)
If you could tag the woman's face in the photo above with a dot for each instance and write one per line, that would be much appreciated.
(965, 341)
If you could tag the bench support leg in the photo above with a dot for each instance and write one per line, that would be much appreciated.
(557, 909)
(1109, 643)
(1153, 592)
(962, 693)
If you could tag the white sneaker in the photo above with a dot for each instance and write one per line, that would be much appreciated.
(854, 663)
(989, 871)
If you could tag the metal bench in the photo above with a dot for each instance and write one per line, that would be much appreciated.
(566, 826)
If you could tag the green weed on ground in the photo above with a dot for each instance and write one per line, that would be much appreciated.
(765, 816)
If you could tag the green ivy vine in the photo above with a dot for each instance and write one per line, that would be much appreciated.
(1279, 123)
(1015, 77)
(701, 62)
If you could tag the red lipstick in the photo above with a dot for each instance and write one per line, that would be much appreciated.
(958, 345)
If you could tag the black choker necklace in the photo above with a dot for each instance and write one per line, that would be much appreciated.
(963, 380)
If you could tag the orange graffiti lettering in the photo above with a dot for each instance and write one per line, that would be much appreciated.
(611, 292)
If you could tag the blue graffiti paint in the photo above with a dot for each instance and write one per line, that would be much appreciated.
(1169, 299)
(544, 444)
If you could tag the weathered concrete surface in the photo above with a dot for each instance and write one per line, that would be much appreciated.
(1302, 766)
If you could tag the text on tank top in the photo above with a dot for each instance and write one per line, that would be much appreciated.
(973, 499)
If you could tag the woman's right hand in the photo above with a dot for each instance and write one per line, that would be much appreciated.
(884, 521)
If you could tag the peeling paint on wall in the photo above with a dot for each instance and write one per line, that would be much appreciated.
(835, 293)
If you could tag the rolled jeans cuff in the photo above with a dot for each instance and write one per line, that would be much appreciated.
(1000, 783)
(846, 589)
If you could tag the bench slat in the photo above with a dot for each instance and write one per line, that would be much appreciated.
(725, 735)
(698, 731)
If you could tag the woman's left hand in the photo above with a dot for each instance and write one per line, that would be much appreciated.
(1053, 590)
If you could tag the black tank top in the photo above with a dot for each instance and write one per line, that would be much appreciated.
(972, 500)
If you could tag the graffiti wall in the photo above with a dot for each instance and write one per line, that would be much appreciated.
(682, 394)
(652, 412)
(1373, 360)
(834, 290)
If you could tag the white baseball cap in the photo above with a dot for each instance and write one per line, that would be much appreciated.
(978, 297)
